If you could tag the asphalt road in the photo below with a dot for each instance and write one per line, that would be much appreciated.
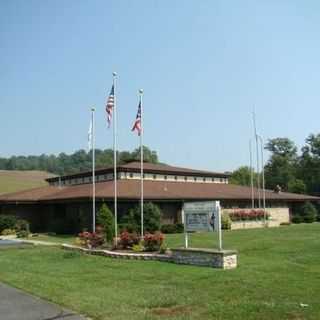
(18, 305)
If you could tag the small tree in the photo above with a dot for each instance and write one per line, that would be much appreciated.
(151, 218)
(106, 221)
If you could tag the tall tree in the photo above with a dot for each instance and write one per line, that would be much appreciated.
(148, 155)
(309, 164)
(242, 176)
(73, 163)
(281, 167)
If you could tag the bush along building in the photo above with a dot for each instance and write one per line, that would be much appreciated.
(65, 205)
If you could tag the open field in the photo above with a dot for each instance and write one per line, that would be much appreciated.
(11, 181)
(278, 270)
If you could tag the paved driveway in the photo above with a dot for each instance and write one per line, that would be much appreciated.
(18, 305)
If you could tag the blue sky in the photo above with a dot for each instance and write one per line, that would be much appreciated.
(203, 66)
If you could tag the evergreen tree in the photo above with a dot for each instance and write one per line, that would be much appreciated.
(106, 220)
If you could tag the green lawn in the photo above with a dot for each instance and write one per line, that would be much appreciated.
(278, 269)
(57, 238)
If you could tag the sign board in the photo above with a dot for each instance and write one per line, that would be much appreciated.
(198, 215)
(202, 216)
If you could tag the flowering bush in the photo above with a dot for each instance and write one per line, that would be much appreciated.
(248, 214)
(128, 240)
(91, 239)
(153, 242)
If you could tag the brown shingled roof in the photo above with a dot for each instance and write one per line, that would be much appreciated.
(148, 168)
(153, 190)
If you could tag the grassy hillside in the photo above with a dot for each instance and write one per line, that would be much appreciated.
(11, 181)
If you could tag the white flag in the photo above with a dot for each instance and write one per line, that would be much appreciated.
(90, 136)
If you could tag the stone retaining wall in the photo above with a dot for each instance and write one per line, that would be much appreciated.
(224, 259)
(277, 216)
(236, 225)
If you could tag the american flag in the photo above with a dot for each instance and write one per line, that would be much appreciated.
(109, 106)
(137, 123)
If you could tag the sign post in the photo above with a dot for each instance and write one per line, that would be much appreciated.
(217, 215)
(185, 228)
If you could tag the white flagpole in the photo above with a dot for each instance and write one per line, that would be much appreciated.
(93, 172)
(115, 159)
(251, 174)
(141, 160)
(263, 179)
(257, 154)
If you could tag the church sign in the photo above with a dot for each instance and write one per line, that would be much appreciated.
(198, 215)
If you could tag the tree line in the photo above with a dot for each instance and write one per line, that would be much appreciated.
(292, 171)
(76, 162)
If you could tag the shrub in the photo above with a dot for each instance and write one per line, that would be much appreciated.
(128, 240)
(309, 212)
(168, 228)
(225, 221)
(22, 225)
(138, 247)
(91, 239)
(22, 234)
(172, 228)
(7, 232)
(179, 228)
(153, 242)
(296, 219)
(106, 221)
(163, 248)
(305, 212)
(151, 216)
(7, 222)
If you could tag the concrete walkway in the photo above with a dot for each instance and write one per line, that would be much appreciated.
(18, 305)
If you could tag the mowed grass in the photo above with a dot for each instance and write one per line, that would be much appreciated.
(12, 181)
(278, 270)
(59, 239)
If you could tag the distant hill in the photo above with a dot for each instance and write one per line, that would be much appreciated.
(14, 180)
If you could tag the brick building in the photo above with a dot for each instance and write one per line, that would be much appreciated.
(68, 198)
